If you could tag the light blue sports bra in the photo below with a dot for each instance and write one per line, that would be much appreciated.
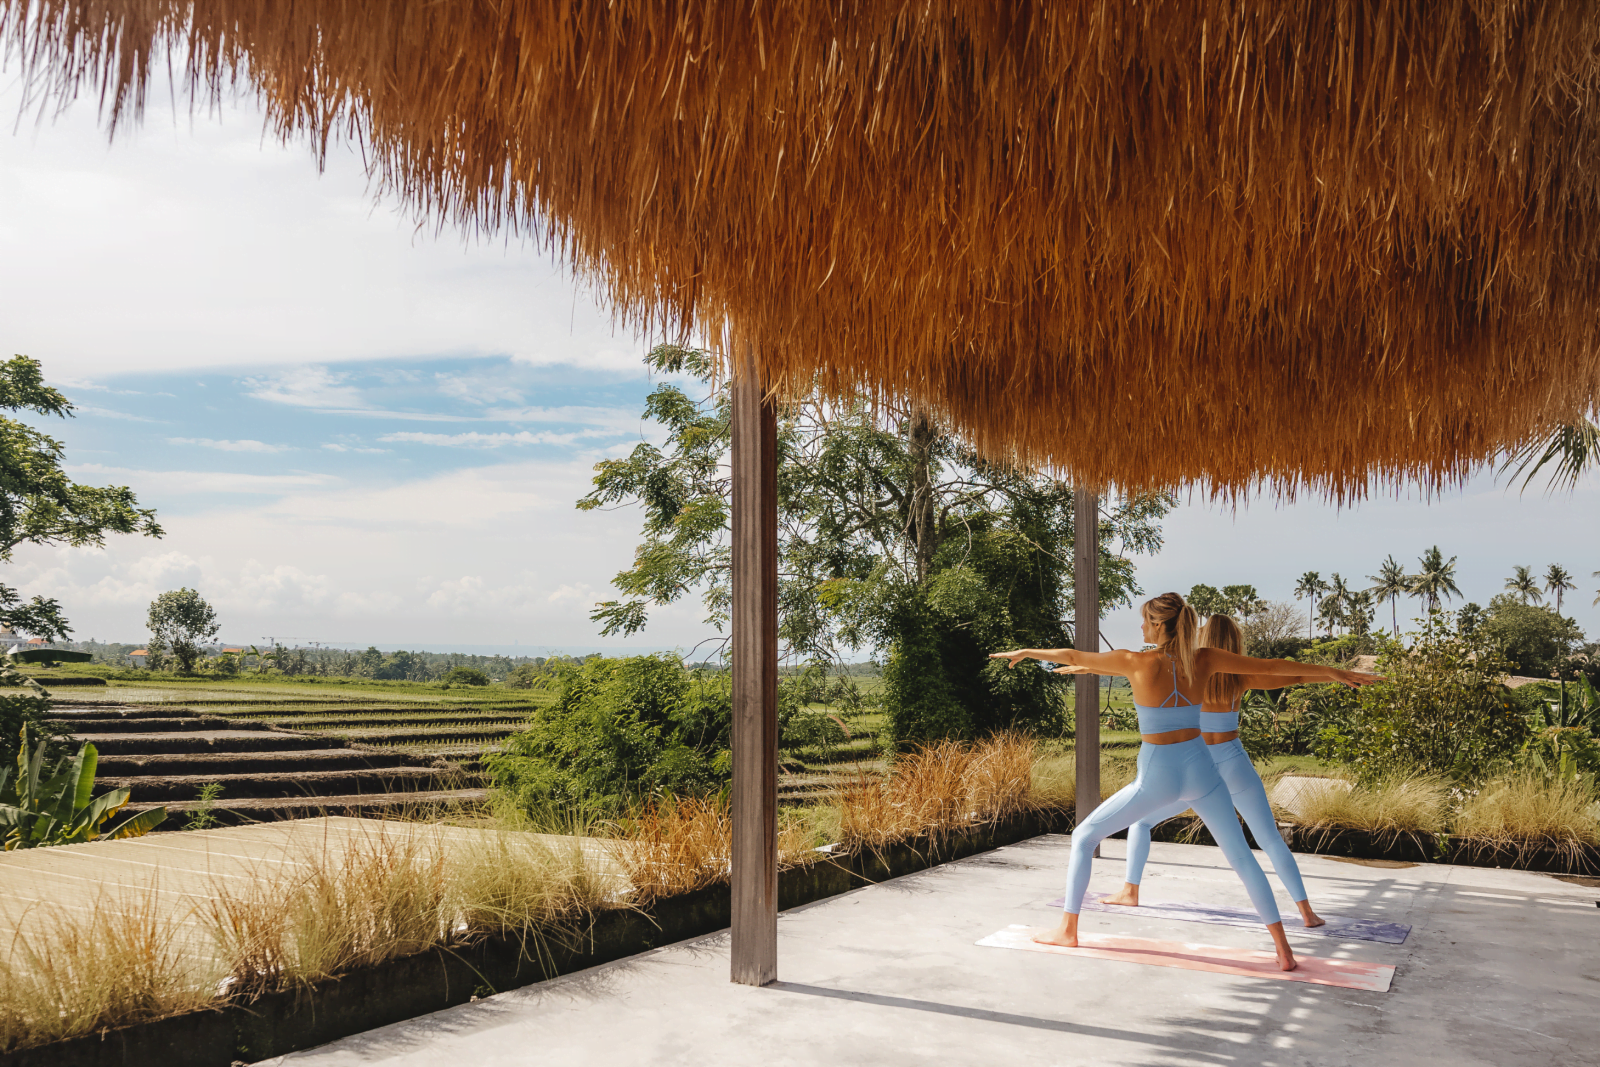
(1167, 717)
(1220, 722)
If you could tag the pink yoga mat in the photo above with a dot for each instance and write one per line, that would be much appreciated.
(1318, 970)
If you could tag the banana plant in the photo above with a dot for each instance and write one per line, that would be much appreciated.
(58, 807)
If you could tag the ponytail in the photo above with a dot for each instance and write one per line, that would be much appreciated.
(1179, 630)
(1222, 632)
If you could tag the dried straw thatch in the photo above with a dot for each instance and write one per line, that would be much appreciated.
(1149, 243)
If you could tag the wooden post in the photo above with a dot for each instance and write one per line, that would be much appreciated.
(1086, 638)
(755, 676)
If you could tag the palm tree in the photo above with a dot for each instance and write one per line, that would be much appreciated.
(1358, 611)
(1333, 604)
(1437, 579)
(1524, 584)
(1573, 448)
(1558, 581)
(1390, 582)
(1596, 603)
(1310, 585)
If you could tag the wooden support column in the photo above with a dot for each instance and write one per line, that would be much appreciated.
(755, 676)
(1086, 638)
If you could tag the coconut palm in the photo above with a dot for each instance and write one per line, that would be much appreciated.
(1524, 584)
(1558, 581)
(1596, 602)
(1437, 578)
(1358, 611)
(1573, 448)
(1333, 604)
(1390, 582)
(1310, 585)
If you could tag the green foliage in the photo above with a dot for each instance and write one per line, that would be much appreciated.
(40, 505)
(1534, 639)
(465, 676)
(620, 729)
(1442, 708)
(203, 815)
(179, 621)
(41, 807)
(892, 536)
(1240, 601)
(525, 676)
(25, 704)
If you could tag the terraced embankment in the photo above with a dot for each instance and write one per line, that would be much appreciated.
(165, 755)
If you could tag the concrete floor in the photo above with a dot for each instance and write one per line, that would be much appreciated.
(1501, 968)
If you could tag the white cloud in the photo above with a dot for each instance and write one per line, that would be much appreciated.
(494, 554)
(229, 446)
(335, 446)
(306, 387)
(107, 413)
(481, 440)
(151, 484)
(201, 243)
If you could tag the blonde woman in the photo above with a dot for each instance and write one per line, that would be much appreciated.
(1168, 682)
(1219, 725)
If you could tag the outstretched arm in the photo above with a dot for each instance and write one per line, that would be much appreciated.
(1221, 662)
(1262, 681)
(1116, 663)
(1086, 670)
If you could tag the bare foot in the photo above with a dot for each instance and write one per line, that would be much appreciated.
(1280, 942)
(1309, 917)
(1129, 896)
(1064, 934)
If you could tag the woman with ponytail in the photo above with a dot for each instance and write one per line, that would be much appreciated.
(1219, 723)
(1168, 683)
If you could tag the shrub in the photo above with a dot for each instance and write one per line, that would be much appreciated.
(466, 676)
(1535, 640)
(24, 703)
(525, 676)
(621, 728)
(1442, 708)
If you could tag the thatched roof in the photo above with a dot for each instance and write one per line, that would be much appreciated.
(1149, 243)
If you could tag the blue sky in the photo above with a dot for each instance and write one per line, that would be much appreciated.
(358, 430)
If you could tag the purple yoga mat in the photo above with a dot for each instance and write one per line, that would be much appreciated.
(1340, 926)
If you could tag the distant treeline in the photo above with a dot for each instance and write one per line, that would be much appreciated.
(415, 666)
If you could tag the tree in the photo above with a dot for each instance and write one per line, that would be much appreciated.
(1272, 632)
(1206, 601)
(1356, 614)
(620, 728)
(179, 622)
(1437, 578)
(40, 505)
(1535, 640)
(893, 535)
(1557, 580)
(1310, 586)
(1332, 607)
(1573, 448)
(1390, 583)
(1596, 600)
(1524, 584)
(1242, 601)
(465, 676)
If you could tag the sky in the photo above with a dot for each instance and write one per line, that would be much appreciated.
(357, 430)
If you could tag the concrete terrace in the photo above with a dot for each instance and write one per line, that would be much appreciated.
(1501, 967)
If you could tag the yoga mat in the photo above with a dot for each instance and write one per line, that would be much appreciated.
(1318, 970)
(1341, 926)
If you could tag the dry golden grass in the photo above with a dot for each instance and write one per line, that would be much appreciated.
(1523, 811)
(65, 973)
(937, 789)
(1054, 779)
(1403, 805)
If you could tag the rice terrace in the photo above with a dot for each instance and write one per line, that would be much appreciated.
(811, 532)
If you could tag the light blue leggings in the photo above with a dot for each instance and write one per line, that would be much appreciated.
(1250, 797)
(1175, 777)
